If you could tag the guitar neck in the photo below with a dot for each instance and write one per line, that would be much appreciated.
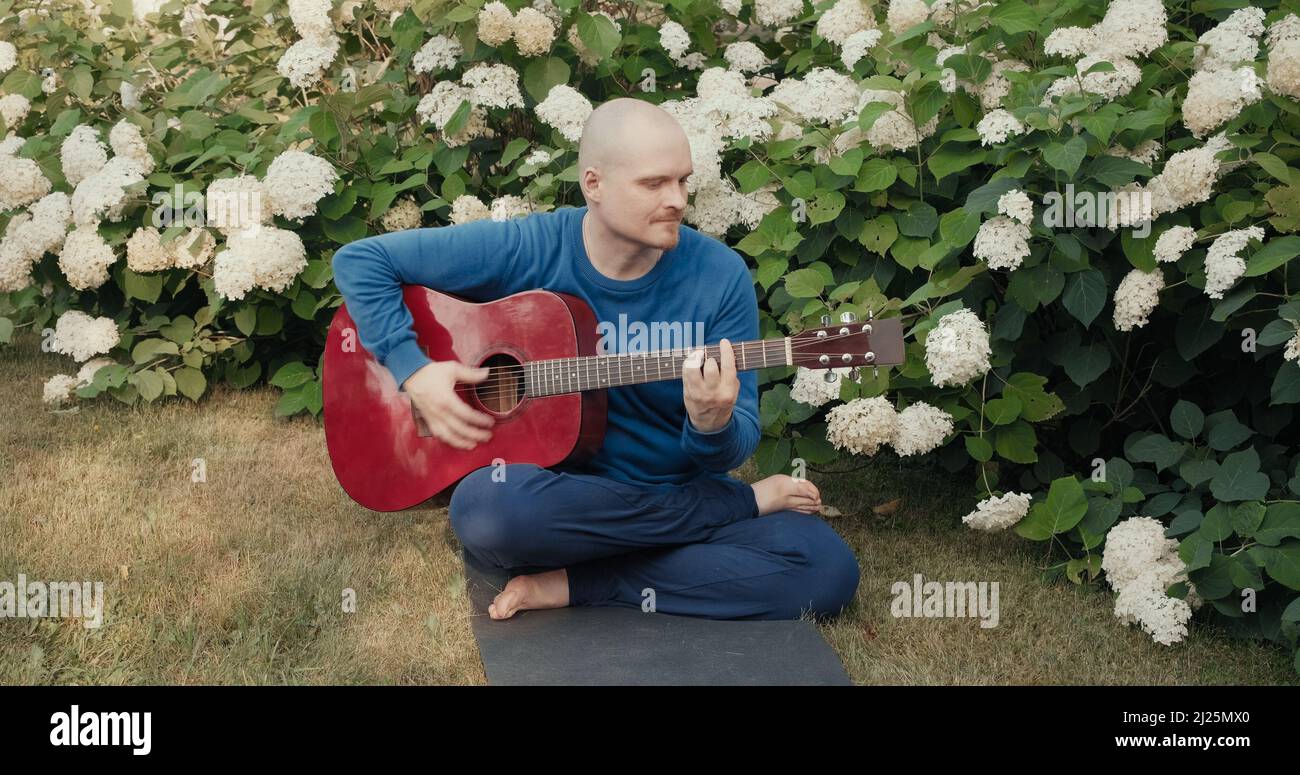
(592, 372)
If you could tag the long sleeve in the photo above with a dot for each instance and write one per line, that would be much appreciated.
(731, 445)
(480, 260)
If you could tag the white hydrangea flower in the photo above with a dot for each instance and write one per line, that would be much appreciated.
(21, 182)
(304, 63)
(193, 249)
(746, 57)
(85, 258)
(295, 181)
(906, 14)
(311, 17)
(496, 24)
(130, 96)
(1140, 564)
(1292, 351)
(1223, 267)
(1017, 205)
(468, 208)
(1136, 297)
(1234, 42)
(82, 154)
(861, 426)
(565, 109)
(674, 39)
(1002, 242)
(822, 96)
(921, 428)
(1283, 74)
(82, 336)
(1145, 153)
(128, 144)
(404, 214)
(146, 253)
(8, 56)
(893, 128)
(265, 257)
(811, 388)
(774, 13)
(58, 389)
(534, 32)
(14, 108)
(1188, 177)
(957, 349)
(509, 206)
(1282, 30)
(857, 45)
(997, 126)
(493, 86)
(439, 105)
(998, 513)
(844, 19)
(1215, 97)
(1173, 243)
(439, 53)
(236, 203)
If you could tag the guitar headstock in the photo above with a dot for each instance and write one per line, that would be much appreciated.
(851, 343)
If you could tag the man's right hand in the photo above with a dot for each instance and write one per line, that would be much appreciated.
(432, 389)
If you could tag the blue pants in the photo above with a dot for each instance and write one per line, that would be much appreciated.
(694, 550)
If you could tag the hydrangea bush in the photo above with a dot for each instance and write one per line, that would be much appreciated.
(1083, 213)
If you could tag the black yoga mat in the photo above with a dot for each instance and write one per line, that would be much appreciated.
(604, 645)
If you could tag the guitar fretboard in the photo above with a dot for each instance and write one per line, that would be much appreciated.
(589, 372)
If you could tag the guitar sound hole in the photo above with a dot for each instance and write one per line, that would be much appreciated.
(504, 387)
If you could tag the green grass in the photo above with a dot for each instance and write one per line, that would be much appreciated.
(240, 578)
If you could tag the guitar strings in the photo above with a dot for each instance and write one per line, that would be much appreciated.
(496, 383)
(494, 386)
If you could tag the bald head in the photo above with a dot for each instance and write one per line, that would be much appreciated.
(622, 129)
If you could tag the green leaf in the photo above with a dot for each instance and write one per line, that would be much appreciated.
(1087, 363)
(1286, 385)
(1283, 564)
(875, 175)
(954, 157)
(1066, 156)
(1016, 442)
(805, 283)
(1085, 295)
(291, 375)
(1239, 478)
(1273, 166)
(1064, 508)
(1038, 404)
(1014, 17)
(542, 75)
(1187, 419)
(1272, 255)
(1281, 520)
(148, 383)
(190, 382)
(979, 448)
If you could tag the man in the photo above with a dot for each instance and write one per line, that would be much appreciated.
(654, 520)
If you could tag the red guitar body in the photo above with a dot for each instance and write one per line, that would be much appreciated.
(383, 456)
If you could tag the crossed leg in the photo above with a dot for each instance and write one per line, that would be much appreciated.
(716, 547)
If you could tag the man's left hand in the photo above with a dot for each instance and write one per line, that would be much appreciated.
(709, 391)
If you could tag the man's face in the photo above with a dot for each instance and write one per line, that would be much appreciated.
(644, 199)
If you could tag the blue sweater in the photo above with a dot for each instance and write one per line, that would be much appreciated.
(702, 286)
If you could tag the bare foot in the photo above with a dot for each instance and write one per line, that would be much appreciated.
(535, 590)
(781, 492)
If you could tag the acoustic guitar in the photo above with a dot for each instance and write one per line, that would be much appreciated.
(545, 388)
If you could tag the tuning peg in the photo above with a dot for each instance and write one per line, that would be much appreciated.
(853, 373)
(848, 317)
(830, 376)
(826, 320)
